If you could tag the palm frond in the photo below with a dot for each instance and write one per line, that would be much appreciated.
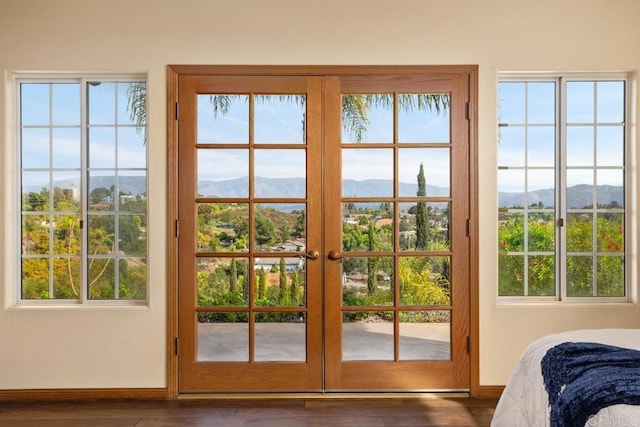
(137, 106)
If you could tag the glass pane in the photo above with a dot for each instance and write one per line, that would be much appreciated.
(579, 232)
(540, 186)
(579, 276)
(367, 281)
(367, 118)
(610, 232)
(580, 102)
(541, 98)
(34, 103)
(280, 173)
(280, 337)
(280, 281)
(131, 102)
(425, 335)
(267, 290)
(367, 172)
(427, 168)
(423, 117)
(132, 234)
(610, 148)
(580, 144)
(511, 102)
(102, 147)
(223, 282)
(542, 232)
(280, 227)
(365, 228)
(66, 104)
(542, 275)
(66, 148)
(580, 188)
(510, 274)
(424, 226)
(133, 279)
(35, 148)
(102, 277)
(610, 188)
(511, 189)
(367, 335)
(131, 147)
(35, 191)
(511, 232)
(610, 276)
(66, 234)
(541, 145)
(223, 119)
(280, 119)
(102, 191)
(35, 234)
(132, 187)
(35, 278)
(223, 337)
(610, 102)
(511, 146)
(223, 227)
(66, 191)
(102, 103)
(223, 173)
(425, 280)
(66, 278)
(102, 234)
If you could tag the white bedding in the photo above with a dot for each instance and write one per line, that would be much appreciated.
(524, 401)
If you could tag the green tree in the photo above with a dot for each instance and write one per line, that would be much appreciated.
(283, 294)
(233, 276)
(421, 213)
(295, 288)
(372, 262)
(262, 283)
(265, 231)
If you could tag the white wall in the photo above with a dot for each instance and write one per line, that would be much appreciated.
(125, 347)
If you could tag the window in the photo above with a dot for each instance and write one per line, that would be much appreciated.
(562, 185)
(83, 189)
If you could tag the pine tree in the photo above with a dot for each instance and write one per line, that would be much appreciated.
(283, 295)
(262, 283)
(372, 262)
(233, 276)
(295, 288)
(421, 213)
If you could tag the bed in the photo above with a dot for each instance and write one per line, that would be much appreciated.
(525, 401)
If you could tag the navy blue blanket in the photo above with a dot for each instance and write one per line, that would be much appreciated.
(582, 378)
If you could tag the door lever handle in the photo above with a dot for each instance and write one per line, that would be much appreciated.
(334, 255)
(311, 255)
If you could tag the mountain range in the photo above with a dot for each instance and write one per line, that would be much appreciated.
(578, 196)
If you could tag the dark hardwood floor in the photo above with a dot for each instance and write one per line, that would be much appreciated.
(333, 412)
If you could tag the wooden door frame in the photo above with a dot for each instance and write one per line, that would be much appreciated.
(173, 74)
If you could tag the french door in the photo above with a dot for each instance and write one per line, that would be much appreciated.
(323, 232)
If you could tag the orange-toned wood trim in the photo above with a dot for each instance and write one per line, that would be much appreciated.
(324, 70)
(32, 395)
(490, 391)
(474, 268)
(172, 243)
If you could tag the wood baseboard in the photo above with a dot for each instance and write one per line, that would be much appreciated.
(490, 391)
(24, 395)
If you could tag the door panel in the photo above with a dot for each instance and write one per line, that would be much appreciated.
(249, 212)
(397, 285)
(323, 237)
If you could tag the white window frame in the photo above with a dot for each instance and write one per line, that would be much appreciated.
(560, 168)
(82, 80)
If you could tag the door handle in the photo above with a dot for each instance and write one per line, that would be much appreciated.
(334, 255)
(311, 255)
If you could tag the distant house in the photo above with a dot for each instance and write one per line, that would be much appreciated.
(291, 264)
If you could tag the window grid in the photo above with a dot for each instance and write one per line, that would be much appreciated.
(562, 212)
(81, 195)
